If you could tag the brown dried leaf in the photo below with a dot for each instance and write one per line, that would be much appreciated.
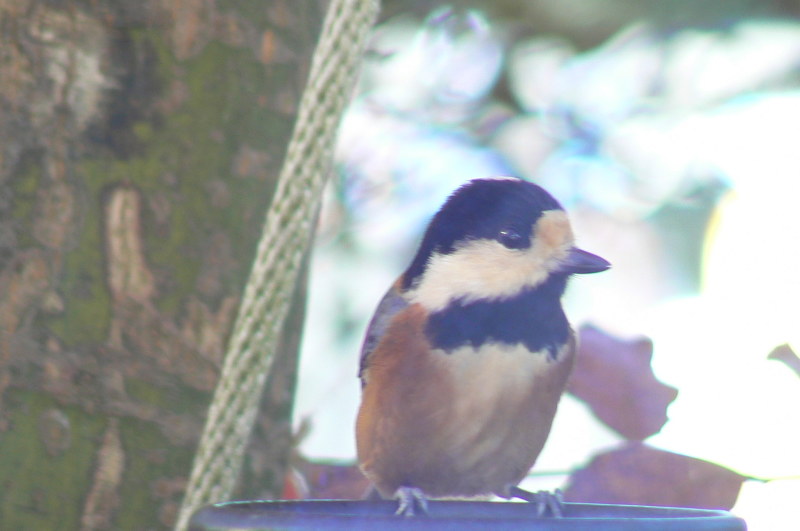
(636, 474)
(614, 377)
(788, 356)
(332, 481)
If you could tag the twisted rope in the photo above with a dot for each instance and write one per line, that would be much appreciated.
(286, 235)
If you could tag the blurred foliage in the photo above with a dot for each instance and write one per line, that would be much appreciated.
(588, 23)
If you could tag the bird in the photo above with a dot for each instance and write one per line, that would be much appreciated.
(467, 354)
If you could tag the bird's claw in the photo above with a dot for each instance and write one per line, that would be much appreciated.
(411, 499)
(545, 501)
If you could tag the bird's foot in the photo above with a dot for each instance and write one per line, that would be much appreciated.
(411, 499)
(545, 501)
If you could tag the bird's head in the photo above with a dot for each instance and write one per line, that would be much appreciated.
(491, 239)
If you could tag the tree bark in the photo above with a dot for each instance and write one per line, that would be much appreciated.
(140, 143)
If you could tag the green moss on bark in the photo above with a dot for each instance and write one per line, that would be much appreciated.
(53, 497)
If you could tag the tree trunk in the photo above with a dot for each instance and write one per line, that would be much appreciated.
(139, 147)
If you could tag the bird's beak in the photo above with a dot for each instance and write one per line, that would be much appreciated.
(579, 261)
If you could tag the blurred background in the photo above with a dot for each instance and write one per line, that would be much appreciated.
(670, 131)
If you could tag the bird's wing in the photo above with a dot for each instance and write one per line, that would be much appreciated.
(392, 303)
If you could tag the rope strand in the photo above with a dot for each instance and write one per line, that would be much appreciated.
(285, 238)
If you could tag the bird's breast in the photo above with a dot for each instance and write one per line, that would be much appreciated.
(497, 380)
(499, 404)
(467, 420)
(493, 370)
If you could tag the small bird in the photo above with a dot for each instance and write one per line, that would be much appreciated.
(468, 353)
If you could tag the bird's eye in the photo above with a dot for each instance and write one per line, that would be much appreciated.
(511, 239)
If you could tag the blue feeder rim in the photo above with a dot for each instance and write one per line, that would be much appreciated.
(452, 515)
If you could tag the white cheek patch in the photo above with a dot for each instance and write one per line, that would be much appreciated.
(486, 269)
